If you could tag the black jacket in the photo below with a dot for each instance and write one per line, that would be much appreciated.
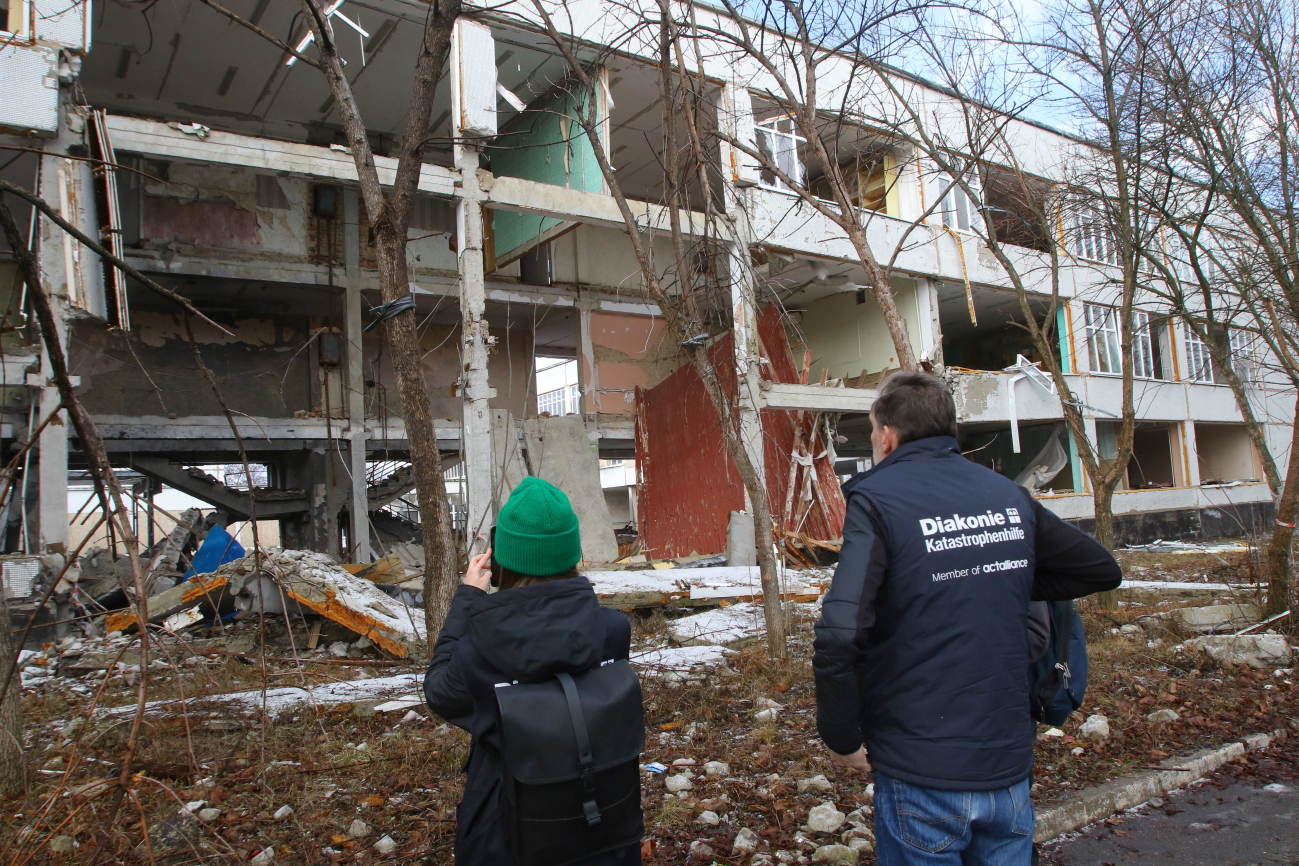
(922, 646)
(526, 634)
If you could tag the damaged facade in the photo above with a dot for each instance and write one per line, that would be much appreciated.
(234, 186)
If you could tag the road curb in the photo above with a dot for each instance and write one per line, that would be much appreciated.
(1102, 801)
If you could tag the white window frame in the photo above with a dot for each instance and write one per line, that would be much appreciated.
(1105, 343)
(1104, 346)
(1199, 362)
(560, 401)
(956, 210)
(25, 20)
(1091, 238)
(781, 140)
(1143, 355)
(1243, 351)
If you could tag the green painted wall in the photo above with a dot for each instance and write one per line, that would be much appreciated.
(546, 144)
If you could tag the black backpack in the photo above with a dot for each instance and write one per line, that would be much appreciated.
(1058, 680)
(571, 750)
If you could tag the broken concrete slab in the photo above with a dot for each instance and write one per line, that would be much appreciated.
(312, 580)
(315, 582)
(1218, 617)
(209, 590)
(697, 587)
(1256, 650)
(562, 451)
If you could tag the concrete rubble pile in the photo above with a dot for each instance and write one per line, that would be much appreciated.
(297, 581)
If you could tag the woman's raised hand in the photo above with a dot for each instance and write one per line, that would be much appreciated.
(479, 572)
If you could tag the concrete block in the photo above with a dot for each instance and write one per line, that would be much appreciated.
(1218, 617)
(741, 549)
(1256, 650)
(561, 451)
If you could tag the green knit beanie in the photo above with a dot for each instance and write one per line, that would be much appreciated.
(536, 530)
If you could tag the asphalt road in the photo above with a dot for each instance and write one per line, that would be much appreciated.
(1246, 814)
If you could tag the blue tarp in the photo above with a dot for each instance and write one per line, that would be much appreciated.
(216, 550)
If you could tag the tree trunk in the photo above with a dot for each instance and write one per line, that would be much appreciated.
(1103, 505)
(440, 574)
(13, 769)
(1278, 549)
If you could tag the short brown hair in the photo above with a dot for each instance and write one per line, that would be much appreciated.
(916, 405)
(511, 579)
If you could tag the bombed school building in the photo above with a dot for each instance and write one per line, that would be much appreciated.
(215, 165)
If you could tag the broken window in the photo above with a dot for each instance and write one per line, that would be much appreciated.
(996, 334)
(957, 210)
(1152, 464)
(236, 475)
(1226, 454)
(779, 142)
(1016, 206)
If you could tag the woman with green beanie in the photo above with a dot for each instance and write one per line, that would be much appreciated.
(545, 620)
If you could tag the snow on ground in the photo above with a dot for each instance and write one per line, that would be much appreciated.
(680, 658)
(711, 582)
(725, 625)
(287, 698)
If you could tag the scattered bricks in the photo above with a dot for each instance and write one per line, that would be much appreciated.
(816, 785)
(1095, 728)
(746, 842)
(678, 783)
(836, 855)
(1162, 717)
(716, 768)
(824, 818)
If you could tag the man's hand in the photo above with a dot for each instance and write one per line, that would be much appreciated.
(856, 761)
(479, 572)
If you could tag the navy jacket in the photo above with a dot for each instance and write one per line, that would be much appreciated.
(526, 634)
(923, 643)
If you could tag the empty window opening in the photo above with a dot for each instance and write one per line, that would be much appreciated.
(997, 336)
(557, 388)
(1152, 464)
(1042, 464)
(1226, 454)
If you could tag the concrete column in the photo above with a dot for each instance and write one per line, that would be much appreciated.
(52, 471)
(588, 374)
(358, 508)
(1190, 453)
(736, 115)
(476, 430)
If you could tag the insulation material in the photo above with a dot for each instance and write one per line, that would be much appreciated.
(689, 485)
(548, 145)
(474, 78)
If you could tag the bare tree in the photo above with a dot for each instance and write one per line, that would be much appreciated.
(1226, 74)
(681, 291)
(794, 46)
(13, 768)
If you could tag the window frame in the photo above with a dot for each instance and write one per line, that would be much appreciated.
(1091, 239)
(954, 203)
(769, 129)
(1199, 361)
(23, 34)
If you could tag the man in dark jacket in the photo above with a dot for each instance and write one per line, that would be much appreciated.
(546, 619)
(922, 648)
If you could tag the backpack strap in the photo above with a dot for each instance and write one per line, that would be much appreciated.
(585, 757)
(1063, 640)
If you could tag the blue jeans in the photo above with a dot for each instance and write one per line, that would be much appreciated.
(917, 826)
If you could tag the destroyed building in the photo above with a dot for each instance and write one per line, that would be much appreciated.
(234, 185)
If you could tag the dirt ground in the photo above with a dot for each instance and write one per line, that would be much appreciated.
(398, 773)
